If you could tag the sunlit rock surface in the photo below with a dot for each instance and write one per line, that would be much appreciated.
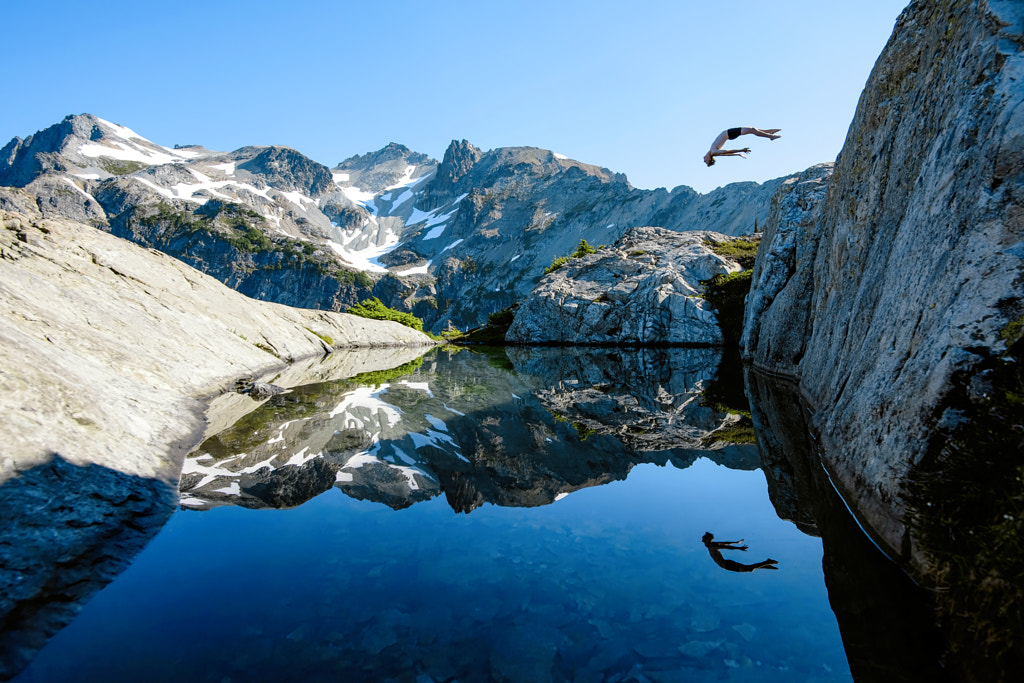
(644, 289)
(916, 277)
(776, 316)
(123, 341)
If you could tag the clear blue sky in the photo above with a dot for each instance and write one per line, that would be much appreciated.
(638, 86)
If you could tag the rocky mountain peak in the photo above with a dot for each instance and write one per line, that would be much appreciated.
(458, 160)
(287, 169)
(388, 168)
(22, 161)
(393, 151)
(84, 145)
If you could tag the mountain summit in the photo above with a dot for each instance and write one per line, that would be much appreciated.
(449, 241)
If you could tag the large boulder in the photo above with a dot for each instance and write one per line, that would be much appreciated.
(915, 282)
(645, 289)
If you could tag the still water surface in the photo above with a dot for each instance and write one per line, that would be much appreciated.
(319, 539)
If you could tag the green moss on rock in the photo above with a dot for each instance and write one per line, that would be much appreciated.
(743, 250)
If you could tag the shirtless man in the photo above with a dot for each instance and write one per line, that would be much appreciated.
(731, 134)
(715, 548)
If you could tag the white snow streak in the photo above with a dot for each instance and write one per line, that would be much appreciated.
(418, 270)
(435, 232)
(80, 190)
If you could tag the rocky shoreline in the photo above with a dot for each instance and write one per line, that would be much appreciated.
(110, 356)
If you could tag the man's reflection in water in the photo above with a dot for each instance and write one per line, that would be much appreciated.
(715, 549)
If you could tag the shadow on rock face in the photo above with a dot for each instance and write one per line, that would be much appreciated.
(886, 621)
(65, 532)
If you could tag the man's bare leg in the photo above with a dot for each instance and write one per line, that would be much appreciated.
(769, 133)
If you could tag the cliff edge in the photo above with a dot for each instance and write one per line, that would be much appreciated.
(907, 278)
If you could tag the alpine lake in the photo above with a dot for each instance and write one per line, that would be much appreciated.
(507, 514)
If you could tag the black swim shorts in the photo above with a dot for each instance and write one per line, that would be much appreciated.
(734, 133)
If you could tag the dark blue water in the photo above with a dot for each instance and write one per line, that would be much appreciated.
(580, 559)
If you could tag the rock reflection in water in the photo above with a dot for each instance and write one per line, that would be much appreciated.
(887, 623)
(509, 432)
(609, 583)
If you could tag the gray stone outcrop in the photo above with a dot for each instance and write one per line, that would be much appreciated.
(644, 289)
(780, 274)
(916, 277)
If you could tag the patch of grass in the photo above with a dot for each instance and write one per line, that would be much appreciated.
(583, 249)
(326, 339)
(374, 309)
(740, 432)
(263, 347)
(743, 250)
(252, 240)
(501, 317)
(583, 430)
(378, 377)
(556, 264)
(492, 333)
(1012, 333)
(119, 166)
(176, 221)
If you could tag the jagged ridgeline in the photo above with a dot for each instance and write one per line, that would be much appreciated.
(449, 242)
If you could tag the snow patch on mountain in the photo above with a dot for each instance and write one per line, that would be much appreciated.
(418, 270)
(132, 147)
(405, 179)
(361, 197)
(365, 259)
(72, 183)
(297, 198)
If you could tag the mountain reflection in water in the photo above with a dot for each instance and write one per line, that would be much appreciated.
(573, 573)
(476, 431)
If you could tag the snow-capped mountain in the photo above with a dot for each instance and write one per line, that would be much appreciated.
(449, 241)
